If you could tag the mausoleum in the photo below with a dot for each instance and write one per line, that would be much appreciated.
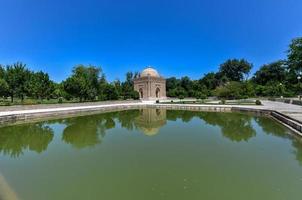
(150, 85)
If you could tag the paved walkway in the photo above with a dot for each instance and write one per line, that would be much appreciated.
(293, 111)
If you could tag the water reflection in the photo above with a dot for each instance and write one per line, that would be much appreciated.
(149, 121)
(271, 127)
(234, 126)
(15, 139)
(88, 131)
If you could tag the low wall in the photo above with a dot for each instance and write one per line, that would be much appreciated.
(54, 114)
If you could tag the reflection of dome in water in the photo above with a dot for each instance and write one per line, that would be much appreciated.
(150, 121)
(149, 72)
(149, 131)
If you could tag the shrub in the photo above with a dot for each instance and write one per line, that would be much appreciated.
(232, 90)
(7, 104)
(60, 100)
(135, 95)
(258, 102)
(29, 102)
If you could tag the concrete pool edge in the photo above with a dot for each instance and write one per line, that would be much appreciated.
(25, 116)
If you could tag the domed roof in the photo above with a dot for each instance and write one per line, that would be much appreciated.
(149, 71)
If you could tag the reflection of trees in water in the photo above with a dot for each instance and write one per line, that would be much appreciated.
(88, 130)
(184, 115)
(274, 128)
(297, 144)
(126, 118)
(15, 139)
(270, 126)
(235, 126)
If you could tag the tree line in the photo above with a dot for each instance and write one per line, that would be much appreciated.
(88, 82)
(233, 81)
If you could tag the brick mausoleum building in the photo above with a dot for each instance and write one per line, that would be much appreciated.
(150, 85)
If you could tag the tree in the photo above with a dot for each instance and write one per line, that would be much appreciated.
(210, 80)
(17, 77)
(232, 90)
(110, 92)
(118, 86)
(187, 84)
(235, 70)
(275, 72)
(128, 86)
(3, 87)
(2, 71)
(84, 82)
(172, 83)
(294, 55)
(40, 86)
(3, 83)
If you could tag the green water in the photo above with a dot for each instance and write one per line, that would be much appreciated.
(151, 154)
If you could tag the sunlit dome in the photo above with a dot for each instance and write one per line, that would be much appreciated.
(149, 72)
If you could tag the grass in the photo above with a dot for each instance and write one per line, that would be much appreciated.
(29, 101)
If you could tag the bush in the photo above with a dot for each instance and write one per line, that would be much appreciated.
(7, 104)
(60, 100)
(232, 90)
(29, 102)
(135, 95)
(258, 102)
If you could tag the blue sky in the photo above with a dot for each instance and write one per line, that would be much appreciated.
(177, 37)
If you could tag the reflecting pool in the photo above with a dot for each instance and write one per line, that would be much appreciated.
(151, 154)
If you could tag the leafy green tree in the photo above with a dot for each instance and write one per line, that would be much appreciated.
(209, 80)
(118, 86)
(294, 61)
(111, 92)
(84, 82)
(40, 86)
(3, 87)
(232, 90)
(275, 72)
(101, 87)
(235, 70)
(128, 86)
(17, 77)
(2, 71)
(295, 54)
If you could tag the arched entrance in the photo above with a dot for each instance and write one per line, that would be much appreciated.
(141, 94)
(157, 93)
